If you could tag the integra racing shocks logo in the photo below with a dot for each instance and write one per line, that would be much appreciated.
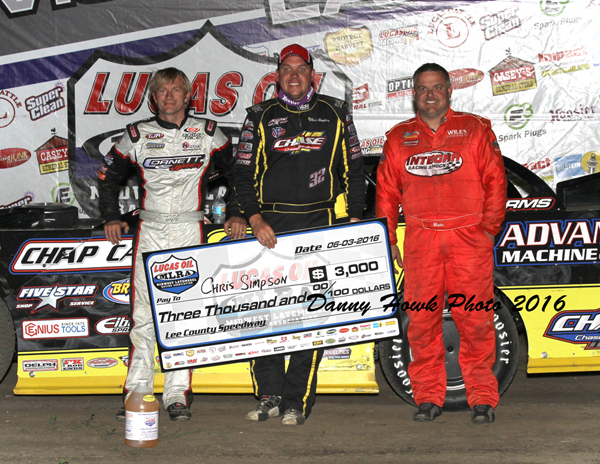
(304, 142)
(433, 163)
(579, 327)
(175, 275)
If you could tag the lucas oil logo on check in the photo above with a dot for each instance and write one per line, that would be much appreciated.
(175, 275)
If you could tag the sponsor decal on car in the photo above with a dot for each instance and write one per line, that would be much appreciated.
(71, 364)
(40, 365)
(578, 327)
(50, 296)
(528, 204)
(118, 292)
(71, 256)
(569, 241)
(337, 353)
(113, 325)
(55, 328)
(102, 363)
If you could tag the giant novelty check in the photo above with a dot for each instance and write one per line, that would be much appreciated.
(236, 300)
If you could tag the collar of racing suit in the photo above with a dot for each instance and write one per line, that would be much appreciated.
(445, 119)
(170, 125)
(307, 102)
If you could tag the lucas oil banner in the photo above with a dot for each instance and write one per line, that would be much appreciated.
(530, 66)
(238, 300)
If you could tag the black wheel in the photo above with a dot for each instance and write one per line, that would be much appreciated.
(7, 339)
(395, 356)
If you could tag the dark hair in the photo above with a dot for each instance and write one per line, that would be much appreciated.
(163, 76)
(431, 67)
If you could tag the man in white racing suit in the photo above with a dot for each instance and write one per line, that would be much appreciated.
(172, 153)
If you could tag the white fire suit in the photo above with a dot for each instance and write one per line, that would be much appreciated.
(173, 162)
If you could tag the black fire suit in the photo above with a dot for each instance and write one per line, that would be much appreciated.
(292, 163)
(173, 162)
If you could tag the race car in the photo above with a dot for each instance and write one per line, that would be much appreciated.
(65, 300)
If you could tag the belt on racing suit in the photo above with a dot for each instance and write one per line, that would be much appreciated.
(168, 218)
(290, 208)
(444, 224)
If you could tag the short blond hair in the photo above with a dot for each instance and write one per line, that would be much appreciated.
(162, 76)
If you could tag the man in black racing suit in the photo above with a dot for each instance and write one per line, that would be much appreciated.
(173, 152)
(296, 153)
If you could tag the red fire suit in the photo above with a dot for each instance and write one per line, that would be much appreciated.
(452, 187)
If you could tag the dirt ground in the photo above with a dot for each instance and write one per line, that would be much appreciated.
(541, 419)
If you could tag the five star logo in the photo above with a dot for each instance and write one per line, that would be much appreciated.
(51, 295)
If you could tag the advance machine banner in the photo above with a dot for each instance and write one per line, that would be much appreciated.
(233, 301)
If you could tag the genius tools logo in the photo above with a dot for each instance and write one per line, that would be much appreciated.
(517, 116)
(578, 327)
(304, 142)
(50, 296)
(434, 163)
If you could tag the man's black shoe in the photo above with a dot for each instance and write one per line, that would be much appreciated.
(179, 411)
(482, 414)
(120, 416)
(427, 412)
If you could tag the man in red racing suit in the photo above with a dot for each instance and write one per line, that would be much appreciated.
(446, 170)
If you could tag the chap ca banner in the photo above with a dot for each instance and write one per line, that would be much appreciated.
(530, 66)
(239, 300)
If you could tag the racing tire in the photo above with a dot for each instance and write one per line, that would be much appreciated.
(7, 339)
(395, 356)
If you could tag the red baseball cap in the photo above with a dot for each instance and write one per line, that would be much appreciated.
(297, 50)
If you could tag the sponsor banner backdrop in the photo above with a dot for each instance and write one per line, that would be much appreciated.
(315, 288)
(530, 66)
